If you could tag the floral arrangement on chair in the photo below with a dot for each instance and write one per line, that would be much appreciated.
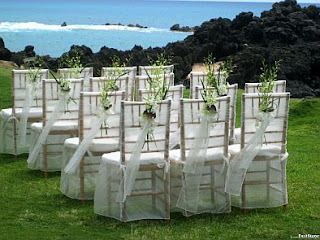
(267, 79)
(158, 90)
(217, 81)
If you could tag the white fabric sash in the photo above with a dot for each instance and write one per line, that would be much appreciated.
(131, 170)
(240, 163)
(194, 166)
(57, 112)
(85, 143)
(22, 128)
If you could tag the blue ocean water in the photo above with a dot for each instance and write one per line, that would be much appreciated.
(37, 22)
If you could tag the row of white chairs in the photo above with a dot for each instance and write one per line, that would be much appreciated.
(173, 118)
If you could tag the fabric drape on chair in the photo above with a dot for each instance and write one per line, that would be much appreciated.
(133, 184)
(257, 171)
(26, 108)
(59, 122)
(98, 133)
(198, 168)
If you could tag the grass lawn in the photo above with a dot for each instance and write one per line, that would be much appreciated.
(33, 207)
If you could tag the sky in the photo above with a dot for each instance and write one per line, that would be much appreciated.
(299, 1)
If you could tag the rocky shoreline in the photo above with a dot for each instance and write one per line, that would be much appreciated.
(287, 31)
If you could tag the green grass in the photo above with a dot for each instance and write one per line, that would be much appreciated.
(33, 207)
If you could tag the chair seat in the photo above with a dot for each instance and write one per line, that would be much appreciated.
(145, 159)
(265, 151)
(33, 113)
(97, 145)
(213, 154)
(58, 126)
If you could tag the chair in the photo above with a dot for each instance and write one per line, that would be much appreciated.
(46, 151)
(264, 183)
(280, 86)
(86, 74)
(155, 70)
(232, 92)
(203, 190)
(150, 195)
(81, 183)
(196, 79)
(130, 71)
(142, 81)
(11, 116)
(97, 83)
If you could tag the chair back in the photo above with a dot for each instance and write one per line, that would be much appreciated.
(191, 111)
(131, 124)
(196, 79)
(175, 93)
(116, 71)
(155, 70)
(86, 74)
(97, 84)
(51, 93)
(276, 132)
(142, 81)
(19, 84)
(232, 92)
(280, 86)
(89, 110)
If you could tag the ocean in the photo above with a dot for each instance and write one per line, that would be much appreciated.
(38, 23)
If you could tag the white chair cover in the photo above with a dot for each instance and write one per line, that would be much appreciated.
(130, 71)
(257, 173)
(60, 121)
(86, 74)
(98, 133)
(133, 184)
(202, 159)
(27, 108)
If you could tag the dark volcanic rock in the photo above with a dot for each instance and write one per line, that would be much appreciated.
(1, 43)
(64, 24)
(5, 54)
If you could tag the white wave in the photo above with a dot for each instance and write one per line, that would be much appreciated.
(34, 26)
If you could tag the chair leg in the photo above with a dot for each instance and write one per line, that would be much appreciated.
(82, 190)
(45, 160)
(167, 194)
(153, 180)
(243, 198)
